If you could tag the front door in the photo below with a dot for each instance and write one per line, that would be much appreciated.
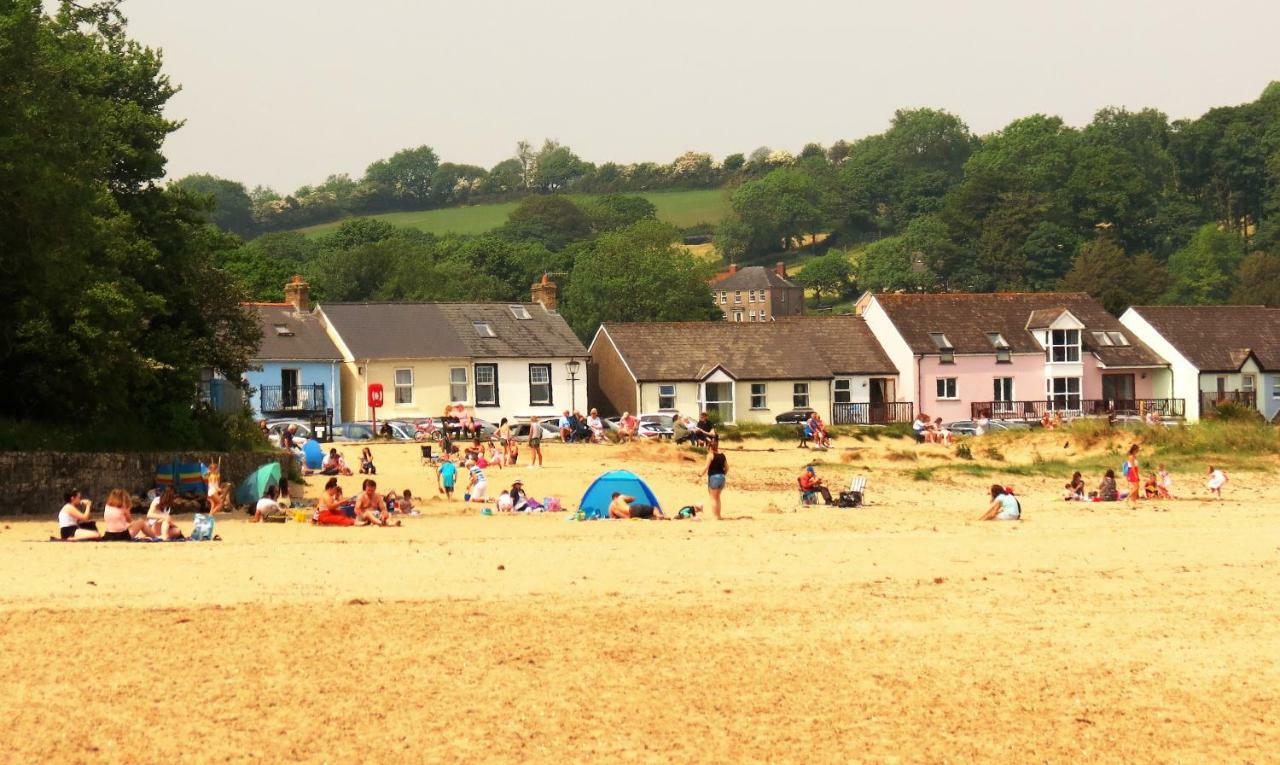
(289, 388)
(1119, 389)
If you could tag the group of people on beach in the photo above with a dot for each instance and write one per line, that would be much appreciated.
(1156, 485)
(76, 522)
(926, 432)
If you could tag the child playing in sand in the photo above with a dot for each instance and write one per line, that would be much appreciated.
(477, 487)
(1075, 489)
(1217, 479)
(1165, 483)
(447, 474)
(366, 462)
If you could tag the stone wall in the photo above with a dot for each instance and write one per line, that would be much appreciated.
(34, 482)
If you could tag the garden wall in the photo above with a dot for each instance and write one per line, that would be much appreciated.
(34, 482)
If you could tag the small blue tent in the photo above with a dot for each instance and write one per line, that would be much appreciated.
(254, 487)
(595, 503)
(313, 454)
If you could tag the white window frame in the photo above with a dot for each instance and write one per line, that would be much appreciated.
(456, 385)
(1062, 400)
(737, 315)
(534, 399)
(800, 395)
(1070, 351)
(708, 404)
(475, 376)
(1275, 387)
(1248, 383)
(838, 391)
(667, 396)
(751, 315)
(1005, 383)
(724, 297)
(946, 389)
(737, 297)
(759, 395)
(403, 395)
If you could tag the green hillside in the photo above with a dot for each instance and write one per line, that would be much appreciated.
(679, 208)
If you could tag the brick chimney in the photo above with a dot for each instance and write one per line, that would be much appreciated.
(544, 292)
(733, 268)
(298, 293)
(780, 269)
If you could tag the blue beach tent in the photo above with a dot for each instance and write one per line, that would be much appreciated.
(595, 503)
(254, 487)
(313, 454)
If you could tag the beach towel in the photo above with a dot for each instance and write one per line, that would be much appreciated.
(190, 478)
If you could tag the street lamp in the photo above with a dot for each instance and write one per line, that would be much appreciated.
(572, 366)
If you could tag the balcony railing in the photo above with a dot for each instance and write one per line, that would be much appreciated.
(872, 414)
(1035, 410)
(1209, 400)
(302, 399)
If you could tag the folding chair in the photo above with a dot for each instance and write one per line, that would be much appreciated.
(806, 497)
(426, 453)
(858, 488)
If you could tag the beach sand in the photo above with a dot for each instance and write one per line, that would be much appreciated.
(905, 631)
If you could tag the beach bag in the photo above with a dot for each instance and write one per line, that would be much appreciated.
(1124, 469)
(850, 499)
(552, 504)
(202, 528)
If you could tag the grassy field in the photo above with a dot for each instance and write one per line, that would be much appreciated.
(679, 208)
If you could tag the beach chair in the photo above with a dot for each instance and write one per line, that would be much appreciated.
(806, 497)
(426, 454)
(854, 497)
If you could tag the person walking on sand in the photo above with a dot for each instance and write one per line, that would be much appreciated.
(715, 470)
(447, 477)
(1217, 479)
(1132, 475)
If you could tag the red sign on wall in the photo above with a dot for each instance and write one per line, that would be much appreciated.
(375, 395)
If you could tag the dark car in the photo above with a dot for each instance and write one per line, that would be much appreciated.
(793, 417)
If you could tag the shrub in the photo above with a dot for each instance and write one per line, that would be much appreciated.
(964, 452)
(1231, 411)
(992, 453)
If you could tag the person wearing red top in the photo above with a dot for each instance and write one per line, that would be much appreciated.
(810, 482)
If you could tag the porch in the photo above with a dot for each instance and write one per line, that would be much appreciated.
(281, 401)
(1034, 410)
(872, 414)
(1210, 400)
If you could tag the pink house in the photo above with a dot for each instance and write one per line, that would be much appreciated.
(1015, 356)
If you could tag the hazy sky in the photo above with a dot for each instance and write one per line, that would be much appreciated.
(284, 92)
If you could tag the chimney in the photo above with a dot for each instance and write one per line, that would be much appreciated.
(780, 269)
(544, 292)
(733, 268)
(298, 293)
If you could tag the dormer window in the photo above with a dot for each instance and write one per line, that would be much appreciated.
(1118, 338)
(1102, 340)
(1064, 346)
(946, 351)
(483, 329)
(282, 330)
(1003, 354)
(519, 311)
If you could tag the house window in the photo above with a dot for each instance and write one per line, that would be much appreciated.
(404, 386)
(1003, 389)
(1064, 392)
(718, 397)
(751, 296)
(1064, 346)
(724, 297)
(1275, 387)
(1101, 339)
(1002, 347)
(759, 396)
(458, 384)
(666, 397)
(737, 296)
(1118, 338)
(539, 385)
(483, 329)
(800, 395)
(752, 315)
(946, 388)
(486, 384)
(946, 351)
(843, 391)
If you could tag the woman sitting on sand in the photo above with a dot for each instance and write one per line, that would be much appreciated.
(266, 506)
(329, 511)
(74, 523)
(158, 524)
(1075, 488)
(1004, 506)
(366, 462)
(1107, 491)
(119, 522)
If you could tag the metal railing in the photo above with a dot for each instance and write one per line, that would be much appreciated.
(872, 414)
(1210, 400)
(278, 399)
(1035, 410)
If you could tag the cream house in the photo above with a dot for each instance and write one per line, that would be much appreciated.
(504, 360)
(747, 372)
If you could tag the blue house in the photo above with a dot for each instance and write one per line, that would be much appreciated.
(297, 370)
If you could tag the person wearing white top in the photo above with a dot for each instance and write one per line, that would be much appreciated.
(1217, 479)
(74, 523)
(159, 525)
(266, 506)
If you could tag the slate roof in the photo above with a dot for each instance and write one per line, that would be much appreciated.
(446, 330)
(795, 348)
(967, 318)
(304, 340)
(752, 278)
(1219, 338)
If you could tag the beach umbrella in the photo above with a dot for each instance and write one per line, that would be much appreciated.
(256, 484)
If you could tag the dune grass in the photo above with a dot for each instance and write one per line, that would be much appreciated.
(679, 208)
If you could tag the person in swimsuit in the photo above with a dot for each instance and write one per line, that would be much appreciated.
(625, 506)
(213, 482)
(159, 525)
(715, 470)
(118, 521)
(329, 511)
(371, 508)
(1132, 476)
(74, 523)
(1004, 506)
(535, 443)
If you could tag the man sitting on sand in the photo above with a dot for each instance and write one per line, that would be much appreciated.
(622, 507)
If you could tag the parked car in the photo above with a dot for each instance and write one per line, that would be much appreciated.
(276, 428)
(657, 425)
(353, 431)
(520, 431)
(401, 430)
(794, 416)
(969, 427)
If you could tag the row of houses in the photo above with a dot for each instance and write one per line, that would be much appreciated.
(954, 356)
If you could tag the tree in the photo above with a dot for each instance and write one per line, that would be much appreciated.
(637, 274)
(264, 265)
(404, 180)
(733, 163)
(1258, 281)
(553, 220)
(619, 211)
(1202, 272)
(556, 167)
(230, 207)
(505, 177)
(780, 207)
(113, 301)
(1103, 270)
(831, 273)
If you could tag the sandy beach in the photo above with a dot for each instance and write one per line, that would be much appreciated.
(905, 631)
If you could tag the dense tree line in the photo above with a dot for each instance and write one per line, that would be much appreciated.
(113, 301)
(613, 260)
